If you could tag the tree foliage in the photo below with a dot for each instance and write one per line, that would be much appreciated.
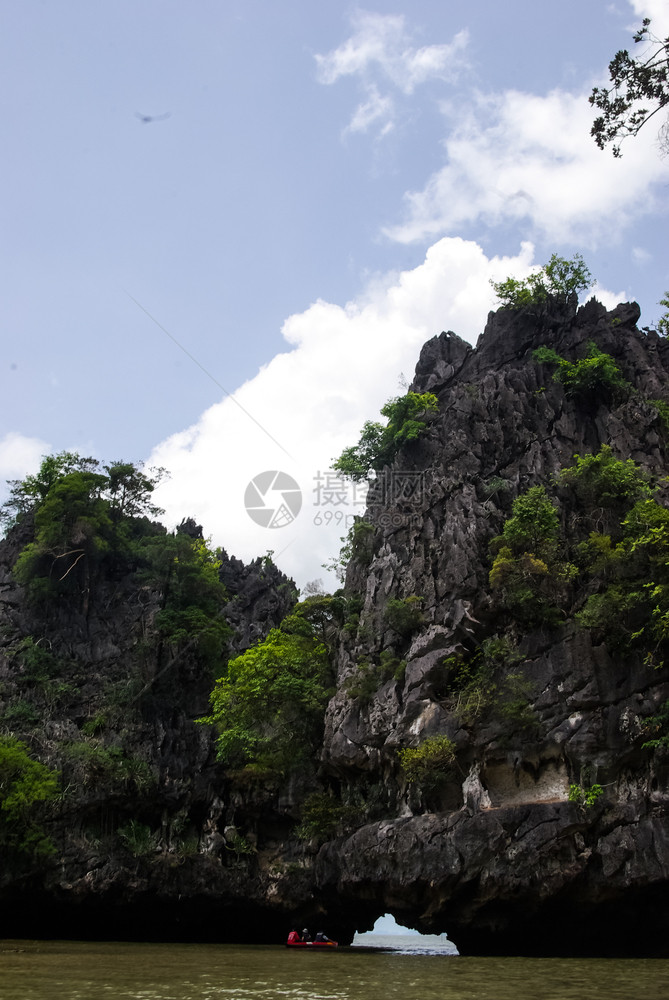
(91, 523)
(604, 481)
(268, 707)
(379, 443)
(639, 90)
(596, 374)
(626, 559)
(85, 513)
(559, 279)
(25, 785)
(534, 524)
(527, 571)
(430, 762)
(663, 322)
(124, 487)
(403, 614)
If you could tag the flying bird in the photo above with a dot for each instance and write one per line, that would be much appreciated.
(147, 119)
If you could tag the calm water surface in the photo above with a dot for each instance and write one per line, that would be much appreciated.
(52, 970)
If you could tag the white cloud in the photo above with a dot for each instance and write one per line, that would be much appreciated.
(20, 455)
(521, 157)
(374, 108)
(641, 256)
(608, 299)
(343, 365)
(381, 53)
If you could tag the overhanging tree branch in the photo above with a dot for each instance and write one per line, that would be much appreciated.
(634, 81)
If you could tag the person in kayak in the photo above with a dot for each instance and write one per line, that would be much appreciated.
(294, 937)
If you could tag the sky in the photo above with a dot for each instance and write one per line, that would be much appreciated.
(228, 227)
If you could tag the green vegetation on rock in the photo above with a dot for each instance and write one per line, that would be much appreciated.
(379, 443)
(430, 763)
(25, 786)
(604, 481)
(403, 614)
(657, 726)
(632, 608)
(619, 552)
(596, 375)
(86, 521)
(357, 544)
(323, 816)
(558, 280)
(268, 707)
(91, 525)
(528, 574)
(185, 570)
(586, 796)
(363, 684)
(663, 322)
(138, 838)
(488, 683)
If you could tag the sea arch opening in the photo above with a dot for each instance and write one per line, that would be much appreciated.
(388, 933)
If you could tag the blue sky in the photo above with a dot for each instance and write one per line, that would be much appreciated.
(334, 184)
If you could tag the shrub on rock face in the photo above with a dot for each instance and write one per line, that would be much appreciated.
(404, 615)
(596, 374)
(602, 480)
(323, 816)
(657, 726)
(363, 684)
(430, 762)
(534, 525)
(379, 444)
(527, 574)
(25, 785)
(633, 608)
(585, 795)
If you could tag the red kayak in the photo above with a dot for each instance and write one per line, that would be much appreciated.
(312, 945)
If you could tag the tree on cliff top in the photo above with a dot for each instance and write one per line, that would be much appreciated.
(124, 487)
(640, 89)
(559, 279)
(84, 514)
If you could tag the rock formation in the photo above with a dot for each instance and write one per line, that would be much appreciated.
(500, 858)
(496, 852)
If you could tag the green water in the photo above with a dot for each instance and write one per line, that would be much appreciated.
(76, 971)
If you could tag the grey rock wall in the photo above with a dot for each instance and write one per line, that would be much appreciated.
(499, 857)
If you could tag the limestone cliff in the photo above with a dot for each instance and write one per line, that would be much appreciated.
(143, 844)
(490, 849)
(499, 857)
